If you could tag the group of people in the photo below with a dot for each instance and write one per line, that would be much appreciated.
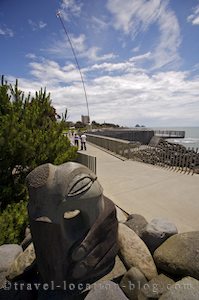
(81, 139)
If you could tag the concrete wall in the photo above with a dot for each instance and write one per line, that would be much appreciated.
(137, 135)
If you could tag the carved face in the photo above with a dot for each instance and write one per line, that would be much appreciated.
(64, 203)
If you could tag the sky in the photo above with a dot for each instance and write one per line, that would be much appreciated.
(139, 58)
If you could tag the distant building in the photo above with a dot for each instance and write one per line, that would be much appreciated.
(85, 120)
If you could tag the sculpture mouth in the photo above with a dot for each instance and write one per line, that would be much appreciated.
(43, 219)
(71, 214)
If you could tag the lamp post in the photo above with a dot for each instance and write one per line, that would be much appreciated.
(58, 14)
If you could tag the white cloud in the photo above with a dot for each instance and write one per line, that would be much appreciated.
(120, 92)
(166, 51)
(137, 16)
(111, 67)
(92, 54)
(50, 72)
(31, 55)
(134, 16)
(194, 18)
(195, 67)
(99, 24)
(127, 95)
(70, 8)
(62, 49)
(36, 25)
(156, 99)
(136, 49)
(79, 42)
(42, 24)
(141, 57)
(5, 31)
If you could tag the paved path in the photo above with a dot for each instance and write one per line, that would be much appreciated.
(149, 190)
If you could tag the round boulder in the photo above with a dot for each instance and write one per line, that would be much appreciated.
(137, 223)
(156, 287)
(132, 282)
(158, 231)
(107, 290)
(185, 289)
(2, 279)
(117, 271)
(22, 262)
(134, 252)
(8, 253)
(179, 254)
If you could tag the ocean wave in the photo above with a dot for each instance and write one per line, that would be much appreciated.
(190, 140)
(186, 141)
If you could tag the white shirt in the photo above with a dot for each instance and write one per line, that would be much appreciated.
(83, 138)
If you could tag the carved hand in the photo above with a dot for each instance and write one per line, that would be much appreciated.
(95, 256)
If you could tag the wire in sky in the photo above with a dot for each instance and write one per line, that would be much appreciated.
(58, 14)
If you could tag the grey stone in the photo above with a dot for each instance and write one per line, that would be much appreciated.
(155, 287)
(137, 223)
(132, 282)
(179, 254)
(8, 253)
(185, 289)
(106, 290)
(121, 217)
(134, 252)
(117, 271)
(23, 261)
(158, 231)
(2, 279)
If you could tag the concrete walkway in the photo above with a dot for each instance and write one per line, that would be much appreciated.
(149, 190)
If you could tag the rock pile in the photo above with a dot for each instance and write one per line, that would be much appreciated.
(169, 154)
(154, 262)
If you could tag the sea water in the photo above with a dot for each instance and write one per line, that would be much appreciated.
(191, 139)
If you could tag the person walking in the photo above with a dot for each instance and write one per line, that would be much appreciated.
(76, 140)
(83, 142)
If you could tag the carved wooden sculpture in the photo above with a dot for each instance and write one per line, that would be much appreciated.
(73, 226)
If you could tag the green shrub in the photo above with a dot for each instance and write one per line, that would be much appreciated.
(30, 135)
(13, 221)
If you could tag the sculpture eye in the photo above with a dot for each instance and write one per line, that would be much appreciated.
(80, 184)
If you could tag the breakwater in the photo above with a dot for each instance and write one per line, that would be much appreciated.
(191, 138)
(143, 136)
(158, 152)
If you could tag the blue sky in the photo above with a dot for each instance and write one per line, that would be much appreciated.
(139, 58)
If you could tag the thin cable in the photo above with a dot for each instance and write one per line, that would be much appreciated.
(78, 66)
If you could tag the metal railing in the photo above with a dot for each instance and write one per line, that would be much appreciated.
(117, 146)
(88, 161)
(170, 133)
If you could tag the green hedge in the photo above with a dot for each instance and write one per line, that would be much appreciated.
(13, 222)
(30, 135)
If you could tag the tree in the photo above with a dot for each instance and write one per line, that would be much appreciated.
(29, 136)
(79, 125)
